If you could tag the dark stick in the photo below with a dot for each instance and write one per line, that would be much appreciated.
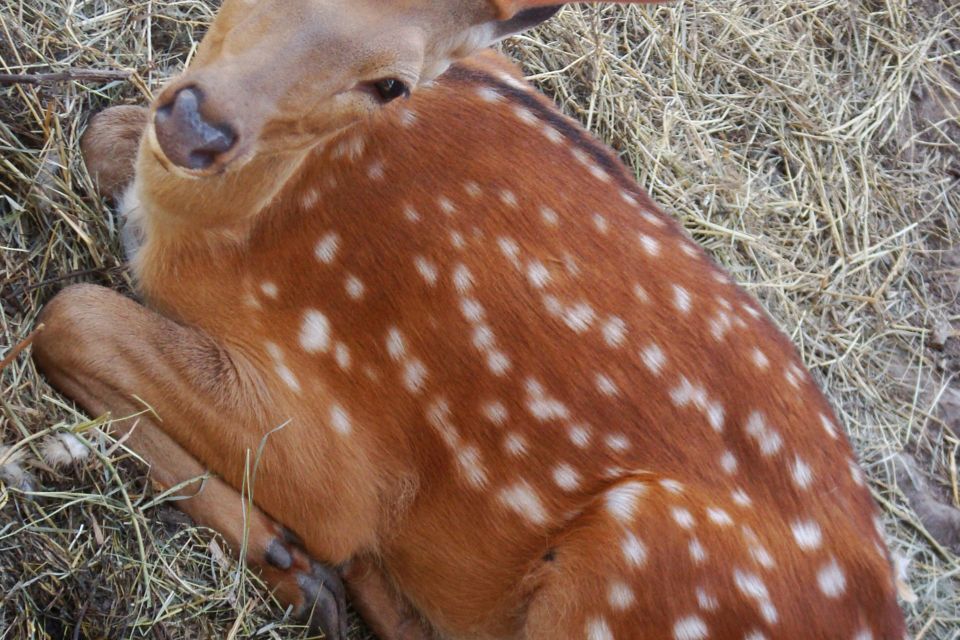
(105, 75)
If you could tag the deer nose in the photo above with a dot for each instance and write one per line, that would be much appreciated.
(186, 137)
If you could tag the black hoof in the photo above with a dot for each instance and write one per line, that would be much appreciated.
(324, 606)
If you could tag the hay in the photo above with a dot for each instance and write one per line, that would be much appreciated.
(811, 146)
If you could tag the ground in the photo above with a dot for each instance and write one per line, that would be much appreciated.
(812, 147)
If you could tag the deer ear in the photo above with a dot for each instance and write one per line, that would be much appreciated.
(525, 19)
(507, 10)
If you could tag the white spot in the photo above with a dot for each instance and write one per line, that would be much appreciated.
(396, 345)
(614, 331)
(653, 218)
(828, 425)
(543, 407)
(863, 634)
(831, 580)
(552, 134)
(472, 188)
(579, 317)
(462, 279)
(269, 289)
(598, 629)
(697, 553)
(376, 171)
(728, 462)
(720, 325)
(515, 444)
(414, 375)
(690, 628)
(751, 311)
(446, 205)
(754, 635)
(327, 248)
(802, 474)
(549, 216)
(719, 517)
(537, 274)
(354, 287)
(350, 147)
(483, 337)
(606, 385)
(620, 596)
(791, 377)
(640, 293)
(706, 600)
(682, 517)
(634, 551)
(653, 358)
(715, 415)
(427, 269)
(285, 374)
(769, 612)
(524, 115)
(274, 351)
(750, 585)
(315, 332)
(650, 244)
(509, 198)
(681, 299)
(762, 557)
(510, 249)
(768, 439)
(342, 356)
(600, 223)
(496, 413)
(411, 214)
(807, 533)
(553, 305)
(617, 442)
(488, 94)
(566, 477)
(579, 436)
(671, 486)
(498, 362)
(340, 420)
(521, 499)
(628, 198)
(310, 198)
(472, 310)
(472, 466)
(740, 498)
(622, 500)
(760, 359)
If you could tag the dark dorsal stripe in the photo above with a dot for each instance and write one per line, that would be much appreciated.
(573, 133)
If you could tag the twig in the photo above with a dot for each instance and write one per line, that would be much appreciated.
(105, 75)
(20, 346)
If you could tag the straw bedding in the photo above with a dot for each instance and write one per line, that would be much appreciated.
(812, 146)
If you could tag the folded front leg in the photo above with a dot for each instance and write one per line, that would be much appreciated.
(101, 350)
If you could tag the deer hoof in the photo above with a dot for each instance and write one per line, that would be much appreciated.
(324, 607)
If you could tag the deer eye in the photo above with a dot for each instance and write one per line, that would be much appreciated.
(389, 89)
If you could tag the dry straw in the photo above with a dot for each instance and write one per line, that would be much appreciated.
(810, 145)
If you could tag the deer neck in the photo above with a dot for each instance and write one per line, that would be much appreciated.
(178, 220)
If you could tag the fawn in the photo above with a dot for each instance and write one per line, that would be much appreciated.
(513, 399)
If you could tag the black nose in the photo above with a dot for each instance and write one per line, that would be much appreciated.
(186, 137)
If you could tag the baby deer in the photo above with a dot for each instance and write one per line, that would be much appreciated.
(496, 388)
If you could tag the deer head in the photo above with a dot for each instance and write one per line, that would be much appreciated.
(279, 76)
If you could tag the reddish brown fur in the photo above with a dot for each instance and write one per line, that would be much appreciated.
(393, 488)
